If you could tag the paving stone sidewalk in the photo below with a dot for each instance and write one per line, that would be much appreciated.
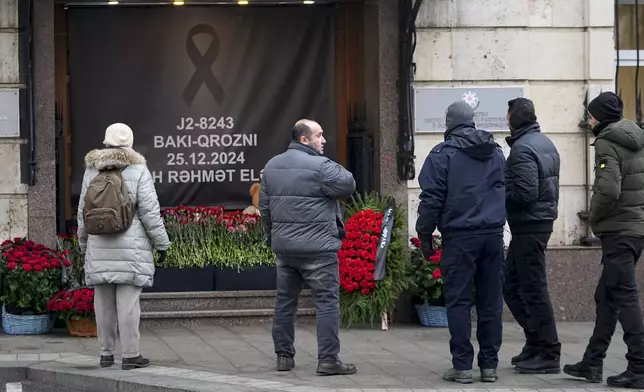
(402, 359)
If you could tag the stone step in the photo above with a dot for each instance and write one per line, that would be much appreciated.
(215, 301)
(188, 318)
(30, 386)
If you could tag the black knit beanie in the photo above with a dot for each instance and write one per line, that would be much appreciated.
(606, 107)
(522, 113)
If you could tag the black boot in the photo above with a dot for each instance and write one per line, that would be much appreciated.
(107, 361)
(336, 369)
(590, 373)
(135, 363)
(539, 365)
(526, 353)
(284, 363)
(627, 379)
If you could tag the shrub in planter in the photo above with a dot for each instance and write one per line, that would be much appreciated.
(426, 274)
(31, 275)
(205, 241)
(210, 236)
(427, 287)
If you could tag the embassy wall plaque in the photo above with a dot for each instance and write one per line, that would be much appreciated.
(9, 113)
(490, 105)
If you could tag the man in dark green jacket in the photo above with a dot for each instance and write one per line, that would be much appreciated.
(617, 218)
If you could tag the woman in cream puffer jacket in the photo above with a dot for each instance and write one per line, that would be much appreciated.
(120, 265)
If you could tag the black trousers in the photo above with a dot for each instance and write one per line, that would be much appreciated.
(525, 291)
(617, 299)
(474, 259)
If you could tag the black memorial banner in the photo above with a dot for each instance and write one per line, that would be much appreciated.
(385, 240)
(211, 93)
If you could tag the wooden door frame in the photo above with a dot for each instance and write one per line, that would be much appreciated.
(349, 59)
(61, 76)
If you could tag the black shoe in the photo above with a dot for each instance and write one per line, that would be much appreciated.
(590, 373)
(336, 369)
(526, 353)
(539, 365)
(135, 363)
(284, 363)
(107, 361)
(627, 379)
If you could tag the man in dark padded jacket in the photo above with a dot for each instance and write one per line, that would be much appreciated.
(617, 218)
(532, 197)
(298, 201)
(463, 194)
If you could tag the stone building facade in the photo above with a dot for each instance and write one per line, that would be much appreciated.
(560, 52)
(557, 51)
(28, 209)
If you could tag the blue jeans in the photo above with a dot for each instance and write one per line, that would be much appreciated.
(320, 272)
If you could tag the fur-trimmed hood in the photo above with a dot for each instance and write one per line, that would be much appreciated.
(113, 157)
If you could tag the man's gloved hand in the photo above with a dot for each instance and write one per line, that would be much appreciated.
(161, 256)
(426, 245)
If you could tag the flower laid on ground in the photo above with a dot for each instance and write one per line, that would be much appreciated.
(31, 275)
(211, 236)
(426, 273)
(362, 299)
(74, 304)
(358, 253)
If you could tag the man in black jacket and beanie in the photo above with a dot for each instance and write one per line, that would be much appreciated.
(532, 195)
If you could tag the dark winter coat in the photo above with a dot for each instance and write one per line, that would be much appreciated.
(617, 204)
(531, 181)
(461, 182)
(298, 201)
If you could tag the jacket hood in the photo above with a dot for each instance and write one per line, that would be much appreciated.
(101, 159)
(475, 143)
(517, 134)
(625, 133)
(459, 115)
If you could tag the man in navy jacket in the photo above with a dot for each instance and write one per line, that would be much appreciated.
(463, 193)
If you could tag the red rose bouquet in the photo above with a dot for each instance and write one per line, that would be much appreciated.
(68, 244)
(426, 273)
(73, 304)
(358, 253)
(363, 299)
(31, 275)
(76, 307)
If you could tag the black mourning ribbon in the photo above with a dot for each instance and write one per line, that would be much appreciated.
(385, 240)
(203, 63)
